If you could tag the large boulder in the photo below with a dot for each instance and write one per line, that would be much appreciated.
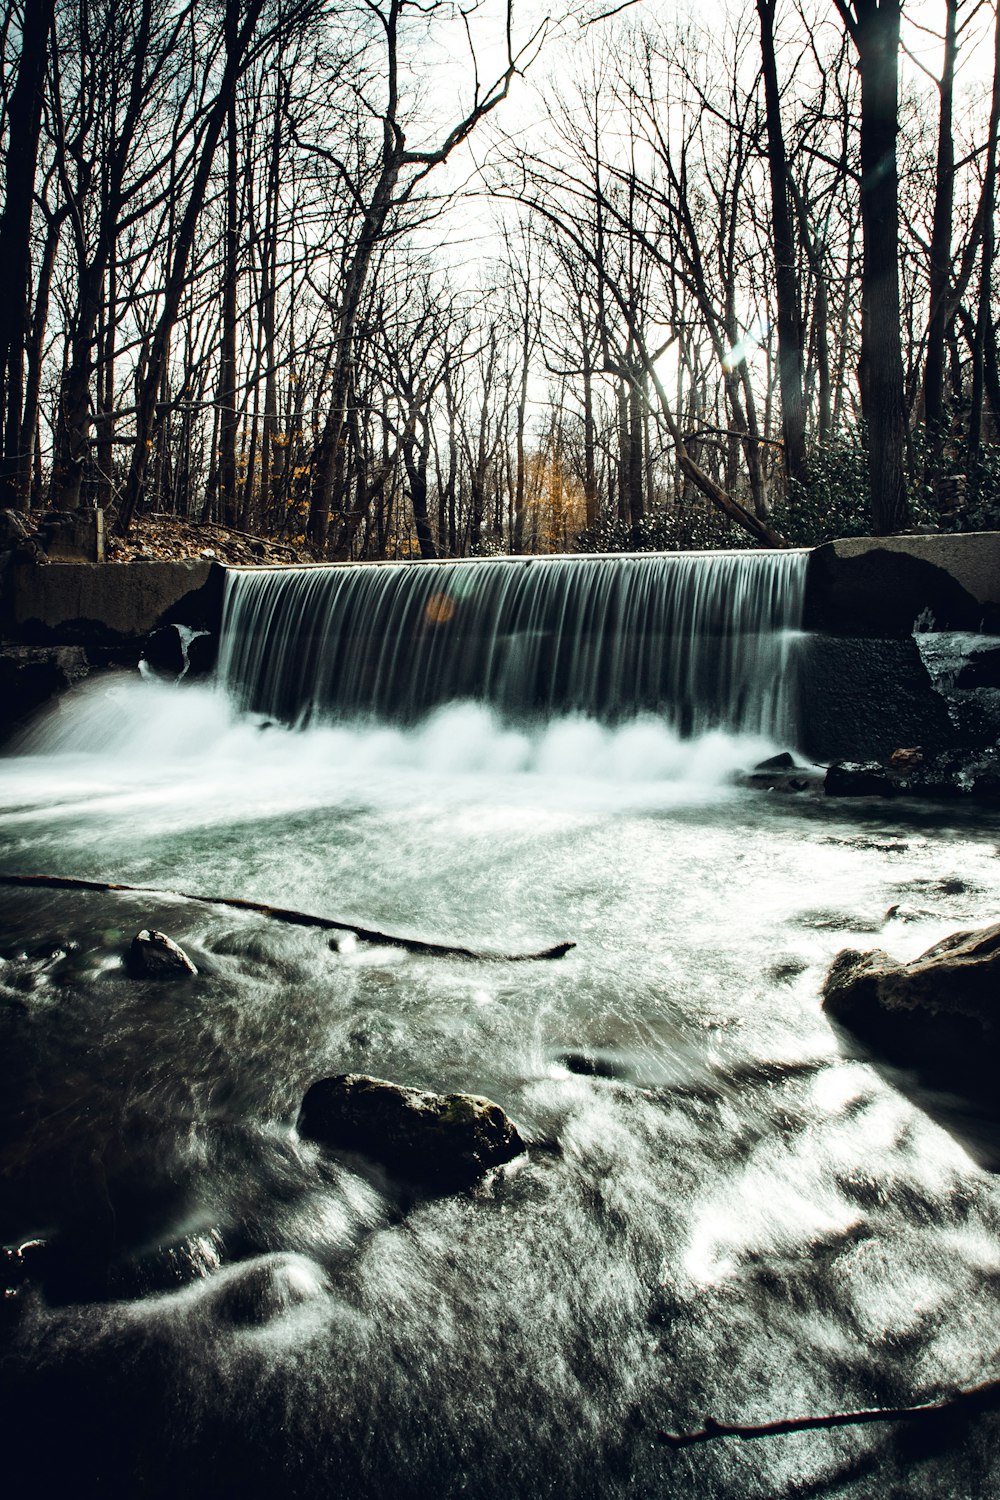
(439, 1139)
(939, 1013)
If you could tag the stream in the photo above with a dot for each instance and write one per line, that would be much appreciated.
(723, 1211)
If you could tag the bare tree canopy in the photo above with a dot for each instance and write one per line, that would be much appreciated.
(398, 279)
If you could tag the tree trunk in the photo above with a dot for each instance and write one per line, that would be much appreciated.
(940, 251)
(793, 422)
(228, 416)
(984, 317)
(24, 123)
(874, 28)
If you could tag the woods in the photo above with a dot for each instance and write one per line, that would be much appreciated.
(408, 280)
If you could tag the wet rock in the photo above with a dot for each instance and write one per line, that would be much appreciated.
(589, 1064)
(858, 779)
(31, 676)
(982, 670)
(255, 1293)
(907, 760)
(782, 762)
(781, 773)
(153, 955)
(956, 773)
(781, 781)
(439, 1139)
(163, 652)
(937, 1013)
(202, 654)
(17, 1264)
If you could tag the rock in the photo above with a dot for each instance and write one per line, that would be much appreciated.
(202, 654)
(780, 781)
(16, 527)
(155, 956)
(782, 762)
(938, 1013)
(588, 1064)
(163, 652)
(957, 773)
(253, 1294)
(982, 669)
(858, 779)
(438, 1139)
(31, 676)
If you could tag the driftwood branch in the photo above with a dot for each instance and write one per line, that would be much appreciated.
(967, 1399)
(286, 914)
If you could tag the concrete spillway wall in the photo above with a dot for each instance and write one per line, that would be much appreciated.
(107, 606)
(865, 687)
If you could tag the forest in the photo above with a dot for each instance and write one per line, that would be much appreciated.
(421, 278)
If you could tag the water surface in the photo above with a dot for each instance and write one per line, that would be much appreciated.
(722, 1213)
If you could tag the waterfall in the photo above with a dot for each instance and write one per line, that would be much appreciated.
(702, 640)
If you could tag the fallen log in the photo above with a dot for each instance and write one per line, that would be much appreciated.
(287, 914)
(965, 1400)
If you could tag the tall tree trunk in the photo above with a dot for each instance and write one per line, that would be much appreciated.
(415, 463)
(589, 438)
(984, 318)
(106, 390)
(35, 352)
(786, 287)
(228, 415)
(874, 29)
(940, 250)
(24, 124)
(636, 486)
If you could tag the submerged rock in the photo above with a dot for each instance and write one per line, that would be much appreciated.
(442, 1139)
(938, 1013)
(155, 956)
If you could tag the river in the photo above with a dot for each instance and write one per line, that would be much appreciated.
(723, 1212)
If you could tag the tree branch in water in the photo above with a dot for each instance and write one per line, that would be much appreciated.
(286, 914)
(968, 1399)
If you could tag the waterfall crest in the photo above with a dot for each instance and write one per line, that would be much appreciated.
(702, 640)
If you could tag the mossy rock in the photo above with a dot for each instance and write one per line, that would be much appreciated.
(438, 1139)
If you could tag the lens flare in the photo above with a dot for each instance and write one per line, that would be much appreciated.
(439, 609)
